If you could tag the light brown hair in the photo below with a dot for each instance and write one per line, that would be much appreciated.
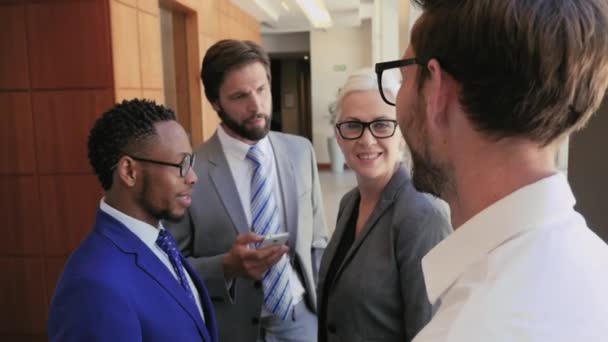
(531, 68)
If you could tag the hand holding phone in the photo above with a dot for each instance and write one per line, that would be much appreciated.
(273, 240)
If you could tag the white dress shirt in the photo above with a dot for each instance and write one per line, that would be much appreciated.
(242, 171)
(148, 235)
(527, 268)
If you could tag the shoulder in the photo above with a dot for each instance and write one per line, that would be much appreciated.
(415, 204)
(97, 259)
(350, 196)
(290, 140)
(210, 145)
(420, 213)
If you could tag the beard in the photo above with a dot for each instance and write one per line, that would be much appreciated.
(428, 174)
(150, 208)
(241, 129)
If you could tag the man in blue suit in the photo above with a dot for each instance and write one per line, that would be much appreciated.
(127, 281)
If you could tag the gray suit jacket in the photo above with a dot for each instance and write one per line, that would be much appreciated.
(378, 292)
(216, 217)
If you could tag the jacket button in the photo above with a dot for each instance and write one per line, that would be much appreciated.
(255, 321)
(331, 328)
(257, 284)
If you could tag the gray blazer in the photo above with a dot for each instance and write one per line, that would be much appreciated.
(216, 217)
(378, 292)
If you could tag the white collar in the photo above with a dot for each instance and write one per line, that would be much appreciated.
(239, 149)
(523, 210)
(144, 231)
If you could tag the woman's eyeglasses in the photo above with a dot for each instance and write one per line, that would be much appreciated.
(380, 129)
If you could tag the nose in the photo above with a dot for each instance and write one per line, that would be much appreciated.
(191, 177)
(254, 103)
(367, 138)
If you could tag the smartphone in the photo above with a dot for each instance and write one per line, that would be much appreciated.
(273, 240)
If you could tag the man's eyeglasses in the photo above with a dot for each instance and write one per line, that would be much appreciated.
(184, 166)
(381, 68)
(380, 129)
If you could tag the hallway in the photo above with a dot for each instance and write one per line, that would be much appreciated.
(333, 187)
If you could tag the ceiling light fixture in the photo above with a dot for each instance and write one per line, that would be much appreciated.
(284, 4)
(316, 12)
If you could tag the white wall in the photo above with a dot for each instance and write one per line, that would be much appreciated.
(330, 50)
(385, 31)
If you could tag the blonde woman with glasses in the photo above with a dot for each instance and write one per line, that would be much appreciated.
(370, 283)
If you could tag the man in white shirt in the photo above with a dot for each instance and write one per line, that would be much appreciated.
(127, 280)
(490, 90)
(253, 183)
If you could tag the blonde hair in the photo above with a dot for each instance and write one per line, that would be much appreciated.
(364, 80)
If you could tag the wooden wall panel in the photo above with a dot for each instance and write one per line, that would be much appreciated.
(150, 51)
(127, 94)
(22, 296)
(157, 95)
(125, 46)
(70, 203)
(63, 121)
(21, 229)
(75, 53)
(13, 59)
(55, 80)
(150, 6)
(54, 268)
(132, 3)
(210, 24)
(24, 337)
(16, 134)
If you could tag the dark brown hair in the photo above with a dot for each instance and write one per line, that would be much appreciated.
(225, 56)
(530, 68)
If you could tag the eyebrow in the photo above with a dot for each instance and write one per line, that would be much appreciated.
(381, 117)
(244, 92)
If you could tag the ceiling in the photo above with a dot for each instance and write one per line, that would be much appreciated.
(281, 16)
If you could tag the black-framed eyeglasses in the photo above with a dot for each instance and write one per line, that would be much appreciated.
(184, 166)
(380, 129)
(384, 66)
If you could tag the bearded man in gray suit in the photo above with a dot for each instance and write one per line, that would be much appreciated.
(252, 183)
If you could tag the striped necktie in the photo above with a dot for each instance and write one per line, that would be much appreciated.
(278, 298)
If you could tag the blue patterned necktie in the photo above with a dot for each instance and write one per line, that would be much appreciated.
(166, 242)
(278, 298)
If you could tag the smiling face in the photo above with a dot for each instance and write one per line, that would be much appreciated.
(244, 103)
(371, 158)
(163, 194)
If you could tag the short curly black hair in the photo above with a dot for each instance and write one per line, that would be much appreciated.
(120, 130)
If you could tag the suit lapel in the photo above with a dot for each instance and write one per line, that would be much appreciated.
(287, 184)
(149, 264)
(388, 197)
(221, 177)
(207, 306)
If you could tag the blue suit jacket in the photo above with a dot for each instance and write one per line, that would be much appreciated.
(114, 288)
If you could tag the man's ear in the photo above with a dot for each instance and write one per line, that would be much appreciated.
(126, 172)
(436, 89)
